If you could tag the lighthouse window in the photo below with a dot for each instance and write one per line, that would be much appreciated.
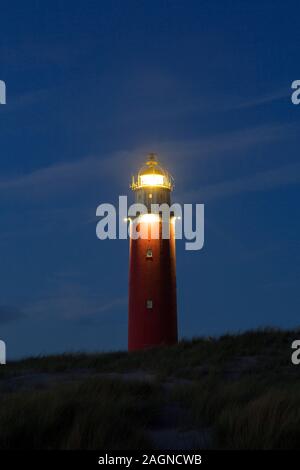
(149, 304)
(149, 253)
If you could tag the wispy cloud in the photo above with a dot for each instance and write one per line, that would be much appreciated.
(216, 145)
(261, 181)
(263, 99)
(37, 53)
(75, 176)
(72, 301)
(64, 177)
(9, 314)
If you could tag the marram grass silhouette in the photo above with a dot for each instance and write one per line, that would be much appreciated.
(232, 392)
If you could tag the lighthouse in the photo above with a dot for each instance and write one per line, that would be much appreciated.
(152, 263)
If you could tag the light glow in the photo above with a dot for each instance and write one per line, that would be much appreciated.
(152, 180)
(149, 218)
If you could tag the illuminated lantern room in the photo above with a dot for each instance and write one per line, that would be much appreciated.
(152, 175)
(153, 183)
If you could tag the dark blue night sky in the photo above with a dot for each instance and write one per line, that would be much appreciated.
(92, 86)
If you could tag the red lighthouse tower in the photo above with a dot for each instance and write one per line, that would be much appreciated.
(152, 264)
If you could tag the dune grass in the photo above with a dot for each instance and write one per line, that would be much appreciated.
(255, 411)
(269, 421)
(241, 387)
(93, 414)
(273, 344)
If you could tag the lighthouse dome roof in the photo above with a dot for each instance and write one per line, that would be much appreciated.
(153, 174)
(152, 166)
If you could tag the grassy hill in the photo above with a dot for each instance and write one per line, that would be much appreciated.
(233, 392)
